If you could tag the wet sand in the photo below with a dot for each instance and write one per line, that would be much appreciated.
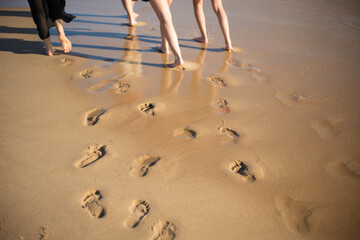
(106, 143)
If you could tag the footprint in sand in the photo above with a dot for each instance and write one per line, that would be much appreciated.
(217, 80)
(44, 233)
(142, 164)
(163, 230)
(92, 204)
(121, 87)
(239, 167)
(86, 73)
(292, 98)
(222, 105)
(93, 153)
(92, 116)
(293, 214)
(228, 132)
(139, 209)
(147, 108)
(184, 133)
(349, 168)
(67, 61)
(256, 72)
(325, 129)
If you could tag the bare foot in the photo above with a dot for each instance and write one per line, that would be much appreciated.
(132, 21)
(162, 49)
(65, 43)
(228, 47)
(49, 51)
(201, 39)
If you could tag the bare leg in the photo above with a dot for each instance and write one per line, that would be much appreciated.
(164, 48)
(162, 11)
(65, 42)
(49, 48)
(200, 19)
(223, 21)
(129, 8)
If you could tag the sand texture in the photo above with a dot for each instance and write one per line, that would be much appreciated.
(108, 142)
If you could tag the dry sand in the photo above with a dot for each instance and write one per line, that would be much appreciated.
(105, 143)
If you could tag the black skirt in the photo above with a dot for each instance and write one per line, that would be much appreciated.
(45, 12)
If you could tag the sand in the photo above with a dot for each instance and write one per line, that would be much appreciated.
(106, 143)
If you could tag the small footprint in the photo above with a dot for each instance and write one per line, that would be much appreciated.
(139, 209)
(67, 61)
(93, 153)
(86, 73)
(121, 87)
(217, 80)
(184, 133)
(147, 108)
(223, 105)
(325, 129)
(92, 204)
(142, 164)
(44, 233)
(228, 132)
(239, 167)
(92, 116)
(341, 168)
(163, 230)
(293, 214)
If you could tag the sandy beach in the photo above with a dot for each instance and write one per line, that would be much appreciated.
(107, 143)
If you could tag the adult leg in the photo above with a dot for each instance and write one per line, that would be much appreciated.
(223, 21)
(56, 13)
(200, 19)
(164, 48)
(129, 8)
(162, 11)
(39, 16)
(65, 42)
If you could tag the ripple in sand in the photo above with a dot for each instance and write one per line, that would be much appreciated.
(139, 209)
(292, 98)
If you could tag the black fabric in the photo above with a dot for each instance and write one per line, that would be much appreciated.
(45, 12)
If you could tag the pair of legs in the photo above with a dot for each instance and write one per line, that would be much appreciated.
(65, 42)
(168, 33)
(45, 12)
(222, 18)
(129, 8)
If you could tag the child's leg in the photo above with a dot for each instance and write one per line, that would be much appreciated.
(162, 11)
(200, 19)
(164, 48)
(65, 42)
(129, 8)
(223, 21)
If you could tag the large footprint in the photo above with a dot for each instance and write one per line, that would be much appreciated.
(93, 153)
(139, 209)
(240, 168)
(293, 214)
(163, 230)
(344, 168)
(142, 164)
(91, 203)
(92, 116)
